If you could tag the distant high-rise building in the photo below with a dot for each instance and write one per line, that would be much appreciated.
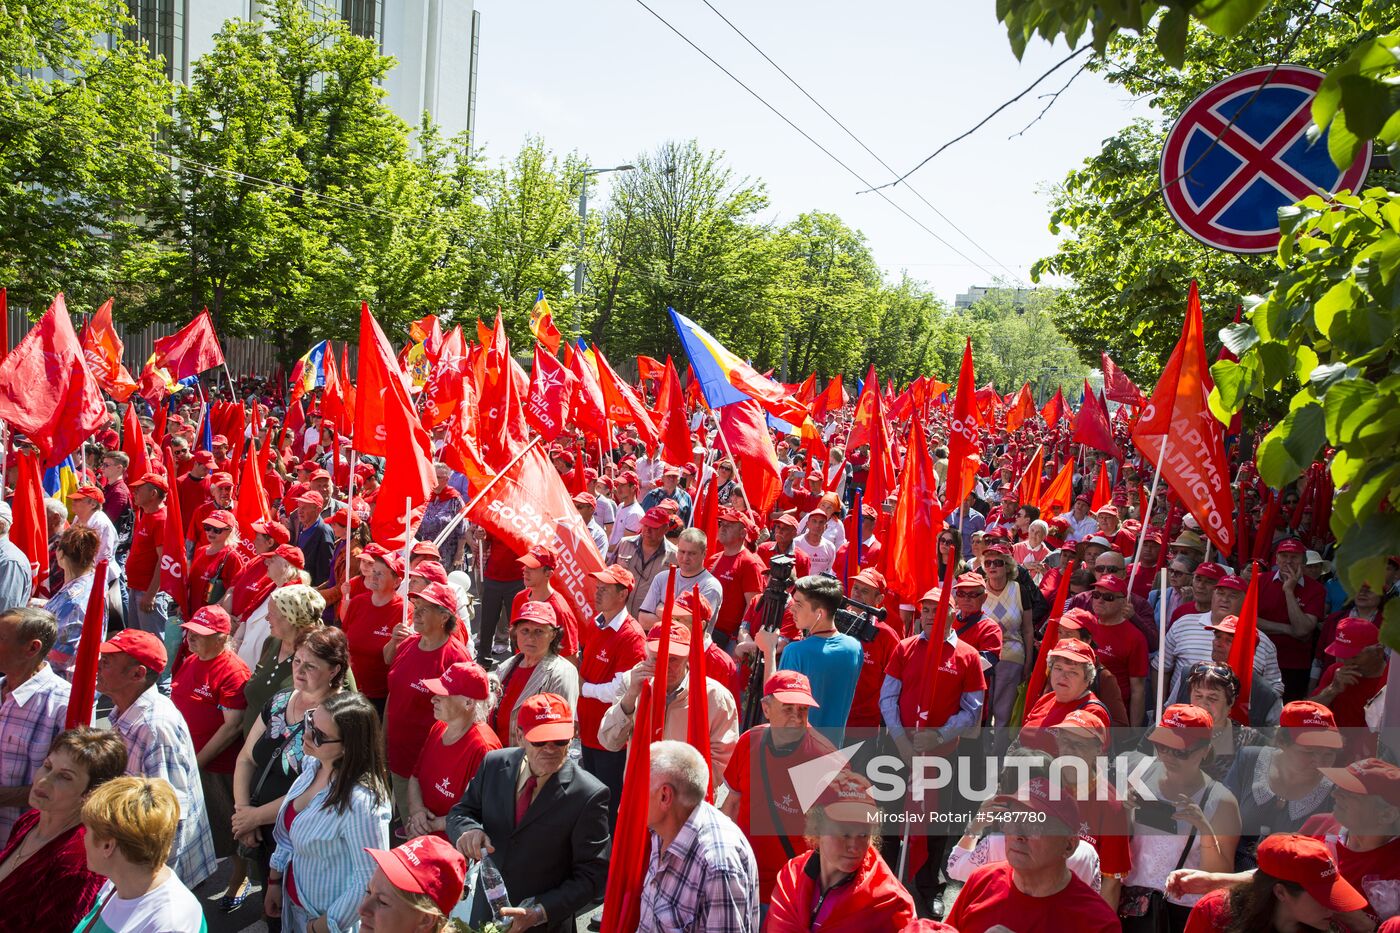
(975, 293)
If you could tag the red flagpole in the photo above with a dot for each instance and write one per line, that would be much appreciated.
(84, 690)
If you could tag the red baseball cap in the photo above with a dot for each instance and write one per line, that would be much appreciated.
(205, 457)
(539, 555)
(291, 554)
(969, 581)
(538, 613)
(847, 799)
(144, 647)
(1232, 582)
(1182, 726)
(1310, 724)
(1210, 571)
(220, 479)
(210, 620)
(219, 439)
(1000, 549)
(788, 519)
(616, 573)
(343, 517)
(275, 530)
(427, 865)
(586, 498)
(629, 477)
(88, 491)
(871, 578)
(1074, 620)
(319, 474)
(1108, 510)
(1290, 546)
(1073, 650)
(1305, 861)
(790, 687)
(463, 679)
(546, 717)
(1082, 720)
(221, 518)
(1226, 626)
(1037, 796)
(1353, 636)
(656, 517)
(727, 514)
(932, 596)
(439, 594)
(311, 497)
(426, 549)
(153, 479)
(429, 570)
(680, 640)
(1111, 583)
(1368, 776)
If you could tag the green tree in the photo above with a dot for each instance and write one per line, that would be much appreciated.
(79, 108)
(832, 290)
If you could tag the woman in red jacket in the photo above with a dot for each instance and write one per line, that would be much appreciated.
(842, 885)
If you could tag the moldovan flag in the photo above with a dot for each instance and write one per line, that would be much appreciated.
(1178, 419)
(46, 390)
(746, 434)
(726, 380)
(964, 445)
(102, 349)
(551, 388)
(542, 324)
(1052, 411)
(526, 504)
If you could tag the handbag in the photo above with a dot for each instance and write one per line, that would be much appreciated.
(254, 795)
(1144, 909)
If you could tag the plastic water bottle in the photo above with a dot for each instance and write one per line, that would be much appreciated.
(495, 887)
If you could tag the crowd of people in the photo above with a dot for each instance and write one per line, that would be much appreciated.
(370, 738)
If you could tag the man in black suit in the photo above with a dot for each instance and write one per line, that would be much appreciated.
(543, 821)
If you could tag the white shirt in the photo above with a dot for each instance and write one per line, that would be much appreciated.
(822, 554)
(106, 533)
(607, 691)
(710, 588)
(619, 528)
(1189, 641)
(1080, 528)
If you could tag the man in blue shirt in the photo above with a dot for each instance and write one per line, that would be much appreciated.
(831, 660)
(968, 521)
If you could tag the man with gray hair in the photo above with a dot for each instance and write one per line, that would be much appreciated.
(16, 572)
(33, 705)
(702, 874)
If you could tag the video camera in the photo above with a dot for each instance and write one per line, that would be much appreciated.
(856, 619)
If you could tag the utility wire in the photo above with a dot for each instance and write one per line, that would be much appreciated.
(805, 93)
(805, 135)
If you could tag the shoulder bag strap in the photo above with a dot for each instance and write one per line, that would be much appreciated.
(768, 794)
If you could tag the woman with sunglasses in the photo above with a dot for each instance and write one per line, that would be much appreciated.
(950, 538)
(272, 754)
(336, 809)
(1190, 820)
(1213, 686)
(1005, 605)
(216, 565)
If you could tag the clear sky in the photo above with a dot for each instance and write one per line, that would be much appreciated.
(607, 79)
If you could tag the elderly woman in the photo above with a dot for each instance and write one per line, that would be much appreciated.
(1213, 686)
(841, 885)
(369, 625)
(536, 667)
(44, 855)
(336, 809)
(292, 611)
(414, 888)
(216, 565)
(271, 757)
(1033, 552)
(416, 653)
(348, 531)
(130, 823)
(457, 741)
(77, 551)
(443, 505)
(284, 568)
(1071, 666)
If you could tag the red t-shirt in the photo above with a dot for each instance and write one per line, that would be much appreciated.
(1375, 873)
(990, 898)
(250, 587)
(511, 690)
(226, 565)
(1104, 825)
(769, 549)
(1293, 653)
(737, 575)
(444, 771)
(609, 654)
(564, 612)
(865, 705)
(201, 691)
(502, 563)
(147, 535)
(1349, 707)
(367, 629)
(1211, 914)
(193, 493)
(982, 633)
(1122, 650)
(755, 817)
(409, 712)
(1048, 711)
(871, 555)
(961, 673)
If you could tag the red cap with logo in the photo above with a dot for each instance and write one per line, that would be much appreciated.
(291, 554)
(1082, 720)
(1072, 650)
(1225, 626)
(440, 595)
(790, 687)
(1305, 861)
(463, 679)
(871, 578)
(1182, 726)
(539, 555)
(1037, 796)
(969, 581)
(220, 479)
(275, 530)
(1368, 776)
(546, 717)
(1311, 724)
(616, 573)
(656, 517)
(1290, 546)
(209, 620)
(429, 571)
(1075, 619)
(679, 646)
(144, 647)
(1353, 637)
(1210, 571)
(1112, 584)
(538, 613)
(427, 865)
(1232, 582)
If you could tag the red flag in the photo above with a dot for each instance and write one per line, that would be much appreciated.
(134, 443)
(527, 504)
(46, 391)
(501, 428)
(869, 427)
(963, 441)
(551, 388)
(623, 406)
(443, 390)
(187, 352)
(1091, 425)
(484, 333)
(1028, 489)
(673, 430)
(1118, 387)
(1059, 495)
(627, 863)
(292, 424)
(1054, 410)
(862, 422)
(746, 434)
(1103, 489)
(462, 452)
(1178, 417)
(587, 410)
(904, 404)
(1268, 523)
(84, 692)
(915, 521)
(381, 384)
(1246, 641)
(347, 388)
(697, 719)
(815, 447)
(333, 407)
(807, 392)
(706, 516)
(174, 568)
(833, 398)
(648, 368)
(29, 529)
(252, 505)
(102, 349)
(427, 331)
(1051, 637)
(1021, 410)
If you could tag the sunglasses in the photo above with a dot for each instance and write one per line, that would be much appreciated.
(1106, 597)
(965, 594)
(214, 530)
(1180, 754)
(317, 737)
(946, 542)
(1100, 569)
(554, 743)
(993, 563)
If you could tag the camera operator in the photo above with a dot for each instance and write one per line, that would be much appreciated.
(868, 587)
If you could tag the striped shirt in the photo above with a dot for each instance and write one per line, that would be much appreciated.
(1189, 641)
(326, 848)
(705, 880)
(30, 716)
(158, 745)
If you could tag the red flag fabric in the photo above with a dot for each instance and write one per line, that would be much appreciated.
(869, 426)
(174, 568)
(1021, 410)
(443, 390)
(915, 521)
(623, 406)
(1118, 387)
(484, 333)
(102, 349)
(746, 435)
(462, 451)
(587, 410)
(706, 516)
(1241, 658)
(648, 368)
(1028, 489)
(381, 385)
(187, 352)
(29, 528)
(1179, 418)
(526, 505)
(806, 393)
(293, 424)
(408, 473)
(815, 447)
(631, 849)
(333, 407)
(46, 390)
(1059, 495)
(347, 387)
(1103, 489)
(551, 388)
(1051, 637)
(697, 718)
(673, 428)
(1054, 410)
(501, 428)
(84, 692)
(252, 505)
(963, 441)
(862, 422)
(1091, 425)
(133, 443)
(833, 398)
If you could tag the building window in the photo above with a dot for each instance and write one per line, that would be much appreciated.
(364, 17)
(158, 25)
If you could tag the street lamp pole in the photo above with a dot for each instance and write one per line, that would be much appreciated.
(579, 267)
